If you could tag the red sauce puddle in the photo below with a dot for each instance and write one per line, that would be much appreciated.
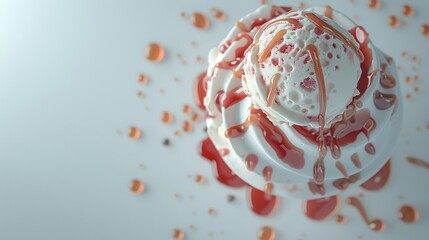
(322, 208)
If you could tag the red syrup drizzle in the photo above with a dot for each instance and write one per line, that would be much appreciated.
(285, 150)
(379, 180)
(322, 208)
(361, 36)
(222, 172)
(234, 96)
(200, 90)
(262, 203)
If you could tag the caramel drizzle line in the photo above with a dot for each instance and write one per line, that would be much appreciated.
(238, 73)
(271, 44)
(273, 89)
(328, 11)
(341, 168)
(375, 225)
(418, 162)
(241, 26)
(319, 168)
(322, 24)
(291, 21)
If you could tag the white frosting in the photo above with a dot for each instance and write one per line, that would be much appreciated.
(289, 181)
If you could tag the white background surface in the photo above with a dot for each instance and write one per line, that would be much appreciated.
(68, 80)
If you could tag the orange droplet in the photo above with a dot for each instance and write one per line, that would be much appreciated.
(394, 21)
(264, 2)
(187, 108)
(183, 15)
(404, 54)
(199, 20)
(408, 10)
(178, 234)
(374, 4)
(134, 133)
(408, 214)
(200, 179)
(196, 117)
(176, 133)
(302, 5)
(154, 52)
(415, 59)
(218, 14)
(340, 218)
(425, 29)
(187, 126)
(268, 188)
(212, 212)
(143, 79)
(167, 117)
(136, 186)
(266, 233)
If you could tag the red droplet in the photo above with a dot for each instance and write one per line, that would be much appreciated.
(262, 203)
(378, 181)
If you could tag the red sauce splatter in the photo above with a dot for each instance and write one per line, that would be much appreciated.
(222, 172)
(378, 181)
(322, 208)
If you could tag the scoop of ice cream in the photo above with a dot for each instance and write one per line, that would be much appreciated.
(281, 76)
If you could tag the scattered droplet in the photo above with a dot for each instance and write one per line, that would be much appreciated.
(408, 214)
(200, 21)
(266, 233)
(167, 117)
(143, 79)
(178, 234)
(404, 55)
(136, 186)
(231, 198)
(218, 14)
(187, 108)
(394, 21)
(200, 60)
(200, 179)
(417, 161)
(134, 133)
(425, 29)
(187, 126)
(196, 117)
(302, 5)
(166, 142)
(212, 212)
(408, 10)
(140, 94)
(340, 219)
(154, 52)
(374, 4)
